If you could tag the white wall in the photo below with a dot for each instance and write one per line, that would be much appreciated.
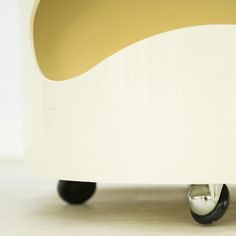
(10, 81)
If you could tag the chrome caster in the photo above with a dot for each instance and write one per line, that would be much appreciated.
(208, 203)
(74, 192)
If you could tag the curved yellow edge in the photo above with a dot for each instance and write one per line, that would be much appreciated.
(72, 36)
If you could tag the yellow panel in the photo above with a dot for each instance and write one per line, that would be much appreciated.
(72, 36)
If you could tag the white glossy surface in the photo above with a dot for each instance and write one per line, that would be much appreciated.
(160, 111)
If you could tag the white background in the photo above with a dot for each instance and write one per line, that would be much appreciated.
(10, 81)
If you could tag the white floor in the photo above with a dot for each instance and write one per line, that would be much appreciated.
(30, 206)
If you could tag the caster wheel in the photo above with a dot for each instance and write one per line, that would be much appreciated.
(208, 203)
(74, 192)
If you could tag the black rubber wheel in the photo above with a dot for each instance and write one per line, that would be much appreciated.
(74, 192)
(219, 210)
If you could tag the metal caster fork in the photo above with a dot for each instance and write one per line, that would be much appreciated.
(208, 203)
